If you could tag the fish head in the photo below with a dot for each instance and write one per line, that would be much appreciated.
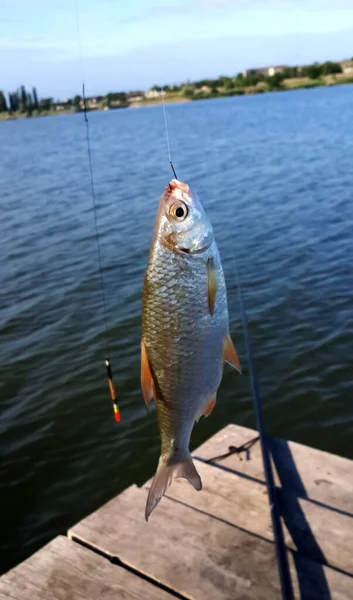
(182, 224)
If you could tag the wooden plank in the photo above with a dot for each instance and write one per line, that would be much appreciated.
(64, 570)
(312, 581)
(198, 555)
(306, 472)
(315, 532)
(190, 552)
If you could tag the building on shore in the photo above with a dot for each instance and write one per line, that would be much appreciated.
(153, 94)
(347, 67)
(64, 105)
(266, 71)
(205, 89)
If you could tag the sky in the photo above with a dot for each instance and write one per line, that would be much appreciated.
(117, 45)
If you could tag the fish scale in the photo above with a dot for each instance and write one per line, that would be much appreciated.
(175, 316)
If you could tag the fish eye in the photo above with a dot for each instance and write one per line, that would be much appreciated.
(178, 211)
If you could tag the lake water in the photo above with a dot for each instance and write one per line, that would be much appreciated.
(275, 174)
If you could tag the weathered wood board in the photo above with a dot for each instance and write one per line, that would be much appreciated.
(216, 544)
(200, 556)
(315, 532)
(64, 570)
(188, 551)
(306, 472)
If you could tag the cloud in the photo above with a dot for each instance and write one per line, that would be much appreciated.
(30, 50)
(197, 59)
(160, 12)
(194, 7)
(24, 43)
(298, 4)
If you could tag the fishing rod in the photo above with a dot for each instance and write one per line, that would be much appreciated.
(281, 552)
(109, 372)
(280, 548)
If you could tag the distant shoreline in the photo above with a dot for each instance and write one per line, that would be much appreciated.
(173, 98)
(51, 113)
(153, 102)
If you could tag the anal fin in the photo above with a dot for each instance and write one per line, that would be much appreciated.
(208, 407)
(230, 354)
(147, 384)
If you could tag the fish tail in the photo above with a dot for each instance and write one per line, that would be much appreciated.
(166, 472)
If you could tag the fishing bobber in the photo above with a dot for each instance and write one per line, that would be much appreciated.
(112, 390)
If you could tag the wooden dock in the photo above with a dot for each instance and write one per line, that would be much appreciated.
(216, 544)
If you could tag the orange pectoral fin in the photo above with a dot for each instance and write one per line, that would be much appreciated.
(147, 384)
(230, 354)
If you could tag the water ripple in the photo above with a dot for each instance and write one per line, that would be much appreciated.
(275, 176)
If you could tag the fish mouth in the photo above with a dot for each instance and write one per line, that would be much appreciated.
(199, 251)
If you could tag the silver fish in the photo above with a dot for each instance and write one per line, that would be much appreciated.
(185, 331)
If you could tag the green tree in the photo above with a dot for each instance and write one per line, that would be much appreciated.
(207, 82)
(23, 99)
(274, 82)
(251, 79)
(14, 101)
(29, 104)
(3, 103)
(290, 72)
(46, 103)
(35, 99)
(117, 99)
(226, 82)
(77, 101)
(188, 91)
(330, 68)
(312, 71)
(229, 84)
(156, 88)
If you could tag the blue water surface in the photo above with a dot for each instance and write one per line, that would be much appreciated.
(275, 174)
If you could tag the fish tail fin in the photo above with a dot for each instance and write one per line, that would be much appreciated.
(166, 472)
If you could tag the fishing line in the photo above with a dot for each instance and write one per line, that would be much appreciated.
(94, 204)
(167, 134)
(280, 547)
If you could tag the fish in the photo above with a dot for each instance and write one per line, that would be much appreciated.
(185, 331)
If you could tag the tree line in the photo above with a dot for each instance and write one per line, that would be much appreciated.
(23, 101)
(27, 102)
(254, 77)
